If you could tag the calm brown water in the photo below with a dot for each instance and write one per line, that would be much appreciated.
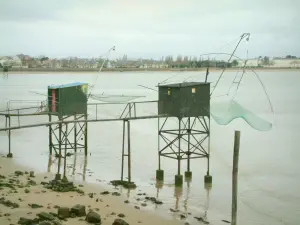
(269, 172)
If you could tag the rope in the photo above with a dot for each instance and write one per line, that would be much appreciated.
(265, 90)
(164, 81)
(242, 37)
(107, 54)
(222, 47)
(244, 71)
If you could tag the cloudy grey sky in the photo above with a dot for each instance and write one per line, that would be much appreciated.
(144, 28)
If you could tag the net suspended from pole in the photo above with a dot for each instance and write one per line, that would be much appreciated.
(226, 111)
(114, 98)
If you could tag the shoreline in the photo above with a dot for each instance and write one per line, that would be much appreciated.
(125, 70)
(108, 206)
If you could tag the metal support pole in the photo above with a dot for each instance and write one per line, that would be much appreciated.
(189, 147)
(208, 157)
(85, 136)
(178, 154)
(50, 136)
(129, 110)
(19, 117)
(134, 106)
(75, 134)
(59, 144)
(65, 157)
(96, 112)
(235, 176)
(158, 143)
(9, 138)
(123, 148)
(129, 151)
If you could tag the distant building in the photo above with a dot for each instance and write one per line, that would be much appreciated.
(273, 63)
(11, 61)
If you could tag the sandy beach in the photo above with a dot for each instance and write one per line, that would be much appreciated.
(32, 198)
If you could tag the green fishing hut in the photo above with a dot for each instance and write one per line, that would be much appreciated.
(68, 99)
(190, 99)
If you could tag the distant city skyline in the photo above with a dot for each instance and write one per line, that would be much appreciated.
(161, 58)
(150, 29)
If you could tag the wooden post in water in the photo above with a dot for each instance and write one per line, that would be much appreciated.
(235, 176)
(129, 151)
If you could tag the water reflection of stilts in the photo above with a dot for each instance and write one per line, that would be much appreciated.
(57, 167)
(49, 163)
(128, 193)
(159, 185)
(127, 190)
(185, 204)
(177, 195)
(74, 164)
(207, 188)
(84, 168)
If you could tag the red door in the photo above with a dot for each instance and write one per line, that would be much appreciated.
(53, 101)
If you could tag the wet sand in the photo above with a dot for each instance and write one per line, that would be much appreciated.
(107, 206)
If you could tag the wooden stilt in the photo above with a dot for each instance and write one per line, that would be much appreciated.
(235, 176)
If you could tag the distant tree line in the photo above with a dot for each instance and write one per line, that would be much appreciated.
(189, 62)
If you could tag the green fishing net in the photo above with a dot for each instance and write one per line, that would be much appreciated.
(114, 98)
(226, 111)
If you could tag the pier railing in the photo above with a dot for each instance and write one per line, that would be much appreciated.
(96, 112)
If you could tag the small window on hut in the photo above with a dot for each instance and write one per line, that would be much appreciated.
(169, 91)
(193, 90)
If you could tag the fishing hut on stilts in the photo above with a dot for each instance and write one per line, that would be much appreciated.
(65, 102)
(189, 103)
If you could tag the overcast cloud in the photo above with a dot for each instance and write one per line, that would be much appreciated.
(144, 28)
